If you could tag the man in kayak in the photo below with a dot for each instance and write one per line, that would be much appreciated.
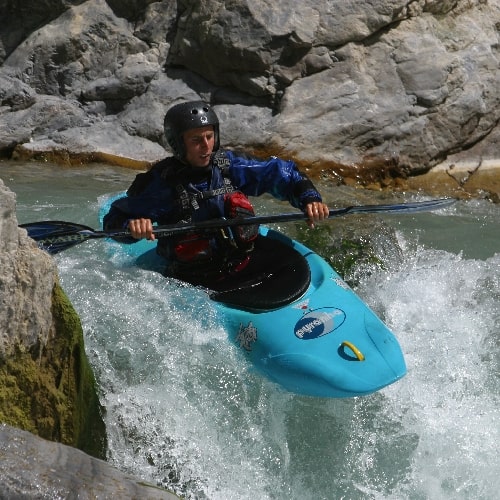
(202, 181)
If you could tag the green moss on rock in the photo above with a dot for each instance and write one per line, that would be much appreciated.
(50, 389)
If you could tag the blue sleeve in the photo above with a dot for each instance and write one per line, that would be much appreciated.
(152, 201)
(279, 178)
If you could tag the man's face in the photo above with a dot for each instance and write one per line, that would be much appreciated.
(199, 143)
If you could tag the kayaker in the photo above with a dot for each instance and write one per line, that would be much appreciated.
(202, 181)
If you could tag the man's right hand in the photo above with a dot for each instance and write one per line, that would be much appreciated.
(141, 228)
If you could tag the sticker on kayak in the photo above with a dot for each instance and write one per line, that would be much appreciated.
(247, 335)
(318, 323)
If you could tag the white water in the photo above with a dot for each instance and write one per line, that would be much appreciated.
(185, 410)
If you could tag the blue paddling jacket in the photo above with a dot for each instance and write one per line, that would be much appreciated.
(172, 191)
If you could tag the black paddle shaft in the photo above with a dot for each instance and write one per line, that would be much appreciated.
(55, 236)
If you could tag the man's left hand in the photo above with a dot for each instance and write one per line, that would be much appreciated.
(316, 211)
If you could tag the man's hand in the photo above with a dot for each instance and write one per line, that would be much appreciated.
(316, 211)
(141, 228)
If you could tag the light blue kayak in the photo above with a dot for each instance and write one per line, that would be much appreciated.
(288, 311)
(301, 325)
(325, 343)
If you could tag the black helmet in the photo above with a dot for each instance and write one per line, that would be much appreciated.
(186, 116)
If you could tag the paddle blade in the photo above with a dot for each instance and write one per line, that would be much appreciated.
(56, 236)
(416, 206)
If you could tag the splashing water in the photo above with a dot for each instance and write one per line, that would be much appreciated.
(186, 411)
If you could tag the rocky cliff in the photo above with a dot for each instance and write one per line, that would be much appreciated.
(46, 384)
(364, 90)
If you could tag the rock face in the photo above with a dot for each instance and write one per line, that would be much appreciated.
(34, 468)
(46, 384)
(26, 283)
(386, 87)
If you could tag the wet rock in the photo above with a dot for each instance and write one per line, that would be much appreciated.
(46, 383)
(32, 467)
(26, 282)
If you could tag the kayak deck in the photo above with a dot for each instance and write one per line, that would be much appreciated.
(275, 276)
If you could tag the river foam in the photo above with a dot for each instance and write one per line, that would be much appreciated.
(185, 410)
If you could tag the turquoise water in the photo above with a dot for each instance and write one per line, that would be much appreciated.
(185, 410)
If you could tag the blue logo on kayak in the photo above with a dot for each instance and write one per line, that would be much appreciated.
(319, 322)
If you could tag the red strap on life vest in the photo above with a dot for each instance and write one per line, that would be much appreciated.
(192, 248)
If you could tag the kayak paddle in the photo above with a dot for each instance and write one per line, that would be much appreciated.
(55, 236)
